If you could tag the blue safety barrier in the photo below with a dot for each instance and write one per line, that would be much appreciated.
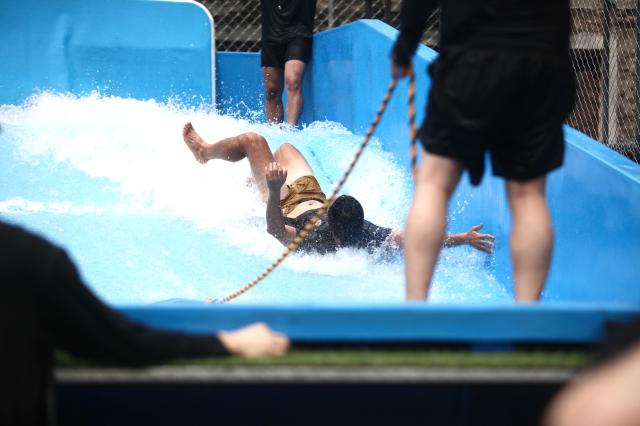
(129, 48)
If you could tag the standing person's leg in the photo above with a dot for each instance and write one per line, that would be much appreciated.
(297, 56)
(246, 145)
(293, 76)
(532, 146)
(273, 81)
(427, 222)
(531, 237)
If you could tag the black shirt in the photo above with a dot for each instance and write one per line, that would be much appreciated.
(284, 20)
(45, 305)
(321, 241)
(541, 25)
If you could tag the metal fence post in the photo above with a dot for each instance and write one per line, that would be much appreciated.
(605, 70)
(367, 9)
(387, 11)
(637, 63)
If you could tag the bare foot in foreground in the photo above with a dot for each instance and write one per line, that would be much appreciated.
(195, 143)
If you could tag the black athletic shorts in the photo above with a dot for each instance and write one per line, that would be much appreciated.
(275, 54)
(512, 104)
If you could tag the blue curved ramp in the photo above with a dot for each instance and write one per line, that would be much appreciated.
(129, 48)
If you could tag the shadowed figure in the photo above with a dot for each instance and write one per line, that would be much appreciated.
(45, 306)
(502, 83)
(286, 48)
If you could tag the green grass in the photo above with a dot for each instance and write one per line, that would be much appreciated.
(565, 359)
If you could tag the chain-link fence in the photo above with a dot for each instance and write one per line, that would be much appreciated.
(605, 51)
(238, 22)
(606, 54)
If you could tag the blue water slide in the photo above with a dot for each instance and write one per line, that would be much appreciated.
(163, 50)
(594, 197)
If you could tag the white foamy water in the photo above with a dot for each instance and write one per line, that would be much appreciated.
(173, 228)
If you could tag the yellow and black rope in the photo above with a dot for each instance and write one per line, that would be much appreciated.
(411, 92)
(309, 226)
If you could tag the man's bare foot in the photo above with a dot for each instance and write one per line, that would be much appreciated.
(195, 143)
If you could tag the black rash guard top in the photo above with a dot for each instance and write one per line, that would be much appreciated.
(44, 305)
(321, 241)
(284, 20)
(537, 25)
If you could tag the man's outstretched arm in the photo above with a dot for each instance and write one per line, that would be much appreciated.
(472, 237)
(74, 320)
(46, 295)
(276, 177)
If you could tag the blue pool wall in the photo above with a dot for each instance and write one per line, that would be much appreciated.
(594, 198)
(143, 49)
(162, 50)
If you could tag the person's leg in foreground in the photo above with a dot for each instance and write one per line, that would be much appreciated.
(273, 83)
(531, 237)
(427, 221)
(604, 396)
(293, 76)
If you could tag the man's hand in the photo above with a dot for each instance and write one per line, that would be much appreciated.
(479, 241)
(254, 341)
(276, 177)
(398, 72)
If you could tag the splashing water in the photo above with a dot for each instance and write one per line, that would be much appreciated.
(110, 180)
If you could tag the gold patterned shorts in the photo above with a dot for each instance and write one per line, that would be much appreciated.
(305, 188)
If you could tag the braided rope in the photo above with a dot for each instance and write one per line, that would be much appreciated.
(412, 122)
(309, 226)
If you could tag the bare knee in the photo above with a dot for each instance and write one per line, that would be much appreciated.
(293, 83)
(273, 91)
(273, 95)
(286, 148)
(447, 185)
(439, 174)
(438, 183)
(253, 139)
(284, 152)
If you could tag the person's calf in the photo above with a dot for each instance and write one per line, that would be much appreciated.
(424, 236)
(273, 101)
(531, 237)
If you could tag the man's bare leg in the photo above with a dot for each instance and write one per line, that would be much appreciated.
(246, 145)
(273, 82)
(531, 237)
(293, 75)
(427, 222)
(293, 162)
